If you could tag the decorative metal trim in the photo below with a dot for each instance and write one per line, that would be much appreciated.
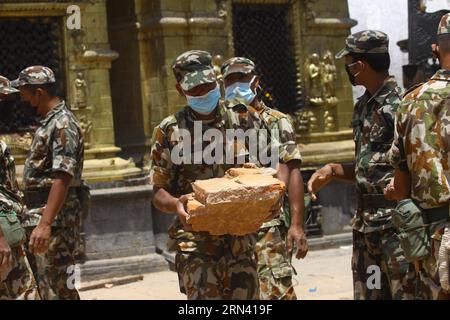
(97, 55)
(295, 11)
(35, 9)
(332, 23)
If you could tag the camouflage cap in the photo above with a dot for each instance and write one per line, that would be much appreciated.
(444, 24)
(34, 75)
(237, 65)
(5, 86)
(367, 41)
(193, 68)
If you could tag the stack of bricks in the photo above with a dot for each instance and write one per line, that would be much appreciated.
(237, 204)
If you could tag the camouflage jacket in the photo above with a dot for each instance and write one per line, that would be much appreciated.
(57, 146)
(373, 130)
(177, 178)
(422, 140)
(288, 149)
(276, 120)
(10, 195)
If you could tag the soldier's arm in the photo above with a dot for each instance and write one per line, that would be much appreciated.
(343, 172)
(160, 176)
(291, 160)
(167, 203)
(65, 150)
(296, 233)
(5, 253)
(331, 171)
(400, 187)
(39, 239)
(56, 197)
(396, 155)
(296, 197)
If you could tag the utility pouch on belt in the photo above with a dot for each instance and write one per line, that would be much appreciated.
(12, 230)
(410, 224)
(37, 198)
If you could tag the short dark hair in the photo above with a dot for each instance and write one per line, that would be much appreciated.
(50, 88)
(444, 42)
(377, 61)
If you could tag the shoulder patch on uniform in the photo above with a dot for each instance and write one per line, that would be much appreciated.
(63, 120)
(398, 92)
(168, 121)
(275, 113)
(413, 90)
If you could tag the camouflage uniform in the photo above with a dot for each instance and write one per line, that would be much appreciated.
(274, 263)
(209, 267)
(421, 145)
(374, 240)
(57, 146)
(19, 283)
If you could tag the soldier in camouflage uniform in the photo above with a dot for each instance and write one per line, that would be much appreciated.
(209, 267)
(274, 267)
(16, 280)
(374, 240)
(421, 149)
(52, 179)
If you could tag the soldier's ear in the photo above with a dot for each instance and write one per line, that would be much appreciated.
(435, 50)
(38, 92)
(180, 91)
(362, 65)
(255, 84)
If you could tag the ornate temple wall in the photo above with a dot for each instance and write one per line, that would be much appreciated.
(115, 72)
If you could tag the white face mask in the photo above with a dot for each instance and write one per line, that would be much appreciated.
(241, 92)
(204, 104)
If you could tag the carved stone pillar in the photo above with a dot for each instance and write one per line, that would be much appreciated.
(85, 63)
(166, 28)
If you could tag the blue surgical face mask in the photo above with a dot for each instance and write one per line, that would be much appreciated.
(204, 104)
(240, 91)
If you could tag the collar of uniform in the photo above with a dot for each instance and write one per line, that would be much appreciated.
(261, 106)
(383, 92)
(58, 108)
(441, 74)
(217, 121)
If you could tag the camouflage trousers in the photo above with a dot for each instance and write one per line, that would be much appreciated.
(274, 267)
(219, 268)
(19, 284)
(378, 255)
(54, 270)
(429, 272)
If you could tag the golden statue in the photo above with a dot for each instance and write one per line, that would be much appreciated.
(328, 75)
(306, 121)
(314, 78)
(86, 128)
(329, 121)
(217, 61)
(80, 91)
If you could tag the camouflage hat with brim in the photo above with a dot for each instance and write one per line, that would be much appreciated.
(193, 68)
(237, 65)
(34, 75)
(367, 41)
(444, 24)
(5, 86)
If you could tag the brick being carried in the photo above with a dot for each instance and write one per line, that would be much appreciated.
(236, 204)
